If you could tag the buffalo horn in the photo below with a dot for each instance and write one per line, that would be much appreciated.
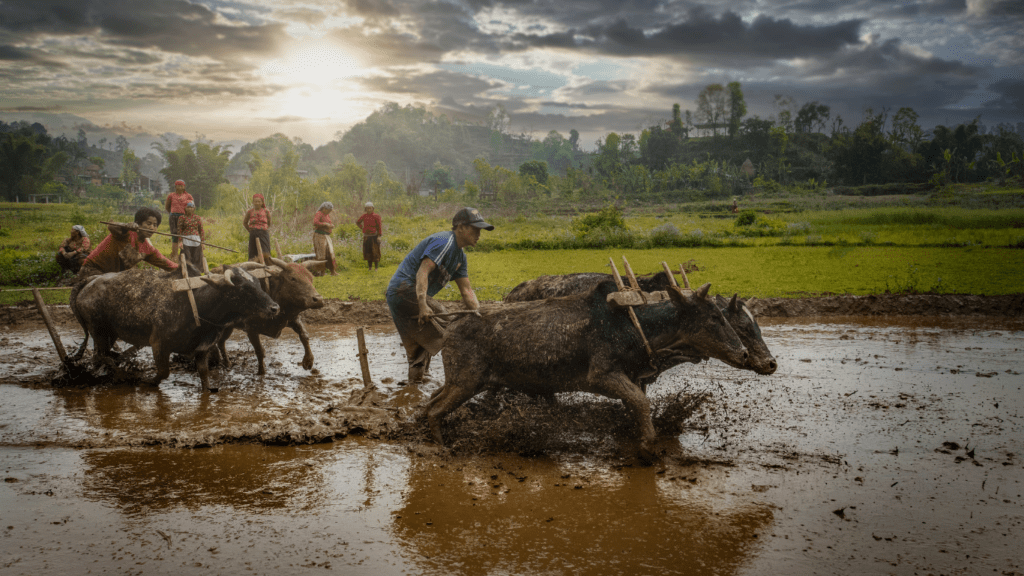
(702, 292)
(686, 281)
(309, 264)
(750, 301)
(733, 304)
(213, 279)
(228, 273)
(250, 265)
(278, 262)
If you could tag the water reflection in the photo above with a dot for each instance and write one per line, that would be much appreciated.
(525, 516)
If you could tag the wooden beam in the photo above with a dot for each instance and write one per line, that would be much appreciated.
(191, 297)
(45, 313)
(635, 298)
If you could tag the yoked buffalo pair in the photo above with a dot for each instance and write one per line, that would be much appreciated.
(140, 308)
(560, 334)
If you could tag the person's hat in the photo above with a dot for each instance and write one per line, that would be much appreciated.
(368, 205)
(176, 182)
(470, 216)
(190, 204)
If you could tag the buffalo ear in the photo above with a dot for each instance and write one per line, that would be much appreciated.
(676, 295)
(734, 304)
(702, 292)
(720, 300)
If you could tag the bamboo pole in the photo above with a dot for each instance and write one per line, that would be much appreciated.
(364, 362)
(191, 297)
(34, 289)
(45, 313)
(454, 313)
(172, 236)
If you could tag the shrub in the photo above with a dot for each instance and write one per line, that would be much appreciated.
(746, 218)
(608, 218)
(36, 270)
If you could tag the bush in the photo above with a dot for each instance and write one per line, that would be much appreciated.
(746, 218)
(37, 270)
(608, 218)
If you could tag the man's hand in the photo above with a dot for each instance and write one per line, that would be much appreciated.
(425, 313)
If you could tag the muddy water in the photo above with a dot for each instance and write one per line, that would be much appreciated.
(878, 447)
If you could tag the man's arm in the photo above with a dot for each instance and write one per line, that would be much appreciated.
(468, 295)
(422, 280)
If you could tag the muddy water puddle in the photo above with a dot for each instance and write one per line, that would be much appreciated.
(879, 447)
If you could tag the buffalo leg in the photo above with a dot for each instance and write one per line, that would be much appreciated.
(203, 365)
(162, 359)
(300, 329)
(222, 351)
(616, 385)
(450, 397)
(257, 346)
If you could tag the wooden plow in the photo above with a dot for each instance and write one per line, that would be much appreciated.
(632, 295)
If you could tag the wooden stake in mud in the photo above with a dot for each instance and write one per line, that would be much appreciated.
(259, 253)
(632, 315)
(45, 313)
(191, 297)
(278, 246)
(364, 361)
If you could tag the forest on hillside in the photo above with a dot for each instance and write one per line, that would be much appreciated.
(715, 151)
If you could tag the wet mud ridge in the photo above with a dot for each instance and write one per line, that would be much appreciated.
(376, 312)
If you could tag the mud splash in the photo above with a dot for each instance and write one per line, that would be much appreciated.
(880, 446)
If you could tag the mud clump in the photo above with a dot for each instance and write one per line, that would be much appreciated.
(511, 422)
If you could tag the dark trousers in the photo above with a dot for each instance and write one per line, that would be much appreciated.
(194, 254)
(263, 236)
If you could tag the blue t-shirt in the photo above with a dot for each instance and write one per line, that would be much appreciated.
(444, 251)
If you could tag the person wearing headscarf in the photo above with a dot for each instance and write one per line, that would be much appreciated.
(257, 223)
(322, 228)
(175, 205)
(371, 226)
(190, 226)
(74, 250)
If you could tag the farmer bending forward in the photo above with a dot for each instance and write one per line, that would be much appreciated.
(422, 274)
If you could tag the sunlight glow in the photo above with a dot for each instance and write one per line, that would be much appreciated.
(314, 74)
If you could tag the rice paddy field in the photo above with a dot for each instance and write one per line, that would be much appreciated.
(774, 249)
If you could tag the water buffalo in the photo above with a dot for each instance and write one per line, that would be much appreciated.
(577, 343)
(139, 307)
(736, 312)
(292, 289)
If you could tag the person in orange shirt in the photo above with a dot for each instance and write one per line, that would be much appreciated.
(126, 246)
(175, 204)
(371, 226)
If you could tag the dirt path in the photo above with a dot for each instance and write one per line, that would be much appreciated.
(376, 312)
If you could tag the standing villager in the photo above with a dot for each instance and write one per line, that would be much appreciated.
(190, 226)
(175, 205)
(126, 246)
(322, 228)
(423, 272)
(74, 250)
(257, 223)
(371, 226)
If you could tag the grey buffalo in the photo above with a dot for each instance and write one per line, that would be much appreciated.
(736, 312)
(140, 308)
(577, 343)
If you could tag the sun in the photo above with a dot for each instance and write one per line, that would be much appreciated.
(314, 74)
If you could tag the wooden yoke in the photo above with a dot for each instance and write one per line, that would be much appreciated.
(629, 307)
(191, 297)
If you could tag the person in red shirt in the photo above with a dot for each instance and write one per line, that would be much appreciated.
(257, 223)
(190, 226)
(322, 228)
(126, 246)
(175, 204)
(371, 226)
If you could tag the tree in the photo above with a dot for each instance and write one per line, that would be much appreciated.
(658, 148)
(200, 165)
(675, 126)
(439, 177)
(737, 108)
(537, 169)
(574, 140)
(812, 116)
(130, 166)
(785, 104)
(121, 144)
(905, 131)
(712, 106)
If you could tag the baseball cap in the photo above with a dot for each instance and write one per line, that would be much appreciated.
(470, 216)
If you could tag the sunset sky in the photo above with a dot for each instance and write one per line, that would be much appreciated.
(245, 69)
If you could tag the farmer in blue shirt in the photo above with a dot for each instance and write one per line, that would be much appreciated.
(422, 274)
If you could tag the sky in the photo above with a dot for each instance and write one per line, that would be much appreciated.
(246, 69)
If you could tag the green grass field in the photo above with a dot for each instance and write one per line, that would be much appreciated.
(896, 247)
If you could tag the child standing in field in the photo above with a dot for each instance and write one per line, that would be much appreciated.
(175, 204)
(370, 224)
(190, 226)
(257, 223)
